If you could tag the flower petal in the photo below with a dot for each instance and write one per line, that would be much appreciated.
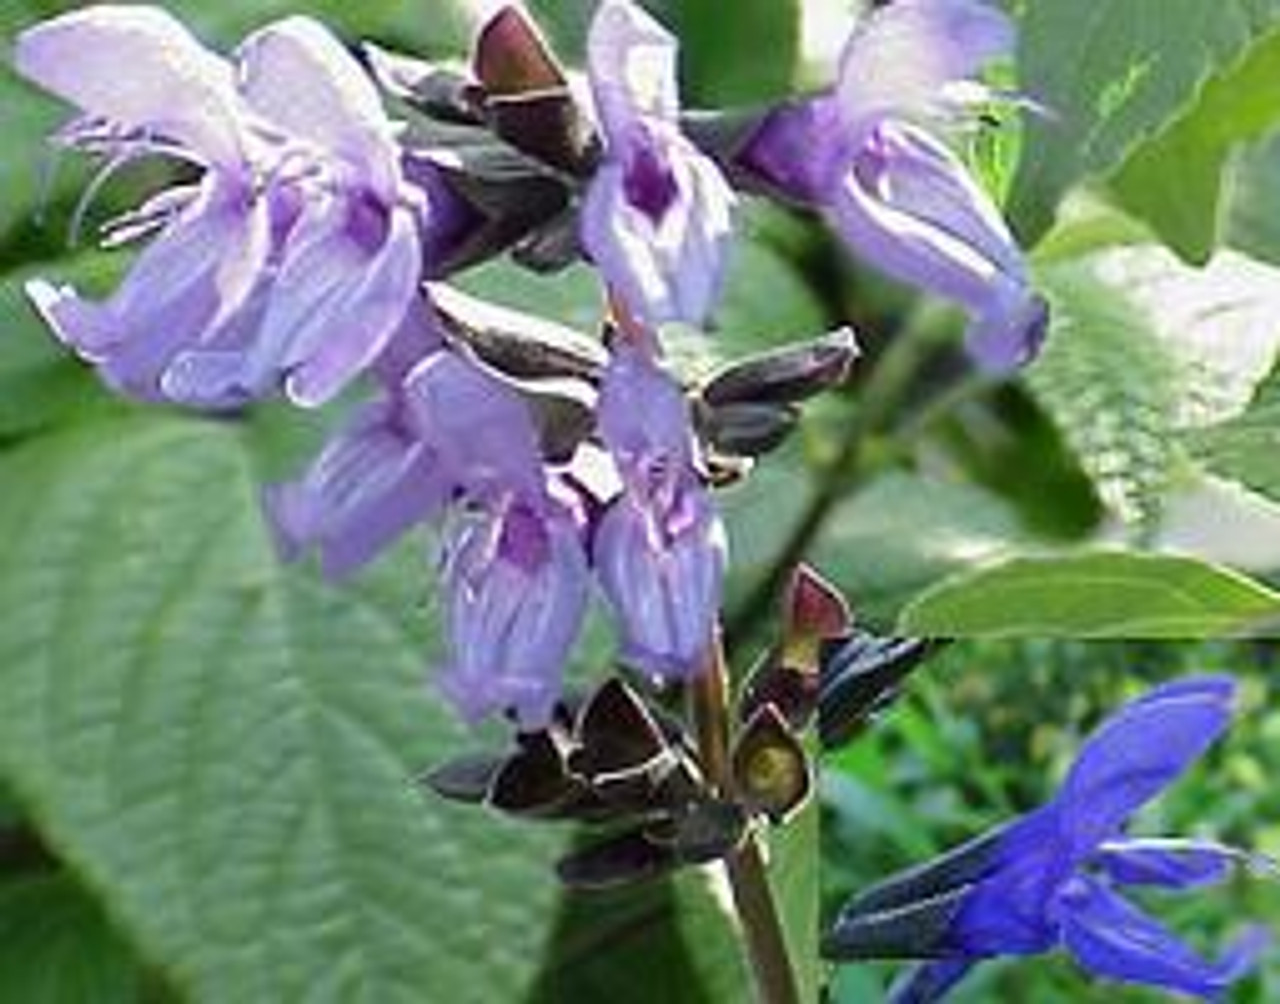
(901, 56)
(199, 274)
(670, 268)
(909, 206)
(370, 484)
(1008, 912)
(631, 59)
(814, 125)
(300, 78)
(1137, 753)
(479, 427)
(662, 573)
(138, 67)
(1174, 864)
(642, 411)
(339, 296)
(511, 622)
(1112, 938)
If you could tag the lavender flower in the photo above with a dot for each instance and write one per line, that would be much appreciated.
(659, 549)
(515, 573)
(293, 259)
(657, 216)
(381, 474)
(896, 194)
(1050, 879)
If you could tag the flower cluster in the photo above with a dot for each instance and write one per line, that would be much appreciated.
(323, 199)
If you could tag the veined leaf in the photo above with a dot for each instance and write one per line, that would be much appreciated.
(1105, 594)
(1111, 74)
(1246, 448)
(225, 749)
(1174, 182)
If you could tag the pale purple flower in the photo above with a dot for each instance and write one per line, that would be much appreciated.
(515, 572)
(449, 439)
(381, 474)
(657, 216)
(515, 584)
(898, 196)
(659, 549)
(1051, 879)
(293, 259)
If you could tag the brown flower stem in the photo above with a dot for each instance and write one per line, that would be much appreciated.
(748, 877)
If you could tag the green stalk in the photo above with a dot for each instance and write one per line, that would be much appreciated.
(748, 876)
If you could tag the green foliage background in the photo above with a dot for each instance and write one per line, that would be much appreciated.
(206, 760)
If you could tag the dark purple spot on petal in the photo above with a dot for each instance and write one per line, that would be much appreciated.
(524, 541)
(649, 184)
(367, 221)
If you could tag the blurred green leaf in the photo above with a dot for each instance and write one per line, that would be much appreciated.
(1102, 594)
(57, 947)
(904, 532)
(225, 748)
(1252, 216)
(737, 54)
(1174, 182)
(1246, 448)
(658, 941)
(1111, 76)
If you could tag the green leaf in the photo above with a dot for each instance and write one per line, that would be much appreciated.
(1112, 386)
(904, 532)
(1252, 222)
(1103, 594)
(738, 56)
(1142, 349)
(42, 383)
(1174, 182)
(225, 748)
(1246, 448)
(57, 947)
(674, 932)
(1112, 75)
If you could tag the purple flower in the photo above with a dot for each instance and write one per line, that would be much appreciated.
(659, 549)
(381, 474)
(515, 573)
(898, 196)
(293, 259)
(1051, 878)
(657, 216)
(446, 436)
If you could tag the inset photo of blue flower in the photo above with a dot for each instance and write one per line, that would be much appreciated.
(1057, 821)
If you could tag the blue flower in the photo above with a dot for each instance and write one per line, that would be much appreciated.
(1051, 879)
